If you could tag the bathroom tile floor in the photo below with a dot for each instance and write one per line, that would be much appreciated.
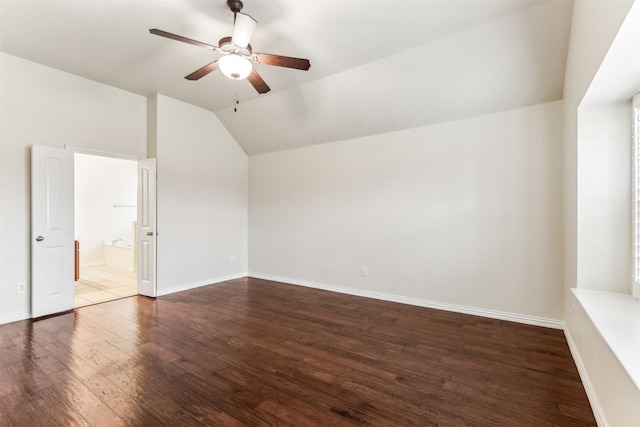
(101, 283)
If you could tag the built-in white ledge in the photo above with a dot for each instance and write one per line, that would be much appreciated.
(617, 318)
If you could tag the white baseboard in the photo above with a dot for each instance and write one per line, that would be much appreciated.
(187, 286)
(493, 314)
(161, 292)
(14, 318)
(513, 317)
(598, 413)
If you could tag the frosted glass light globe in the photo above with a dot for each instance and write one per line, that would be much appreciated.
(235, 66)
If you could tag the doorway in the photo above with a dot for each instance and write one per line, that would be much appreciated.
(52, 226)
(105, 211)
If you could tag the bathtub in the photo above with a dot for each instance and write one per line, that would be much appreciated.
(119, 253)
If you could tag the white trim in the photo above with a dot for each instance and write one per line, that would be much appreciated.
(598, 412)
(635, 187)
(493, 314)
(101, 153)
(616, 318)
(193, 285)
(15, 318)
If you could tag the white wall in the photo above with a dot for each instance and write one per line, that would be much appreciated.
(466, 213)
(202, 198)
(101, 183)
(604, 197)
(40, 105)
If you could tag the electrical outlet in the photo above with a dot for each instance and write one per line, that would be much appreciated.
(22, 287)
(232, 259)
(364, 271)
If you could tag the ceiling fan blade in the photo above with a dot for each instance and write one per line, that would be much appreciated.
(182, 39)
(282, 61)
(203, 71)
(257, 82)
(243, 29)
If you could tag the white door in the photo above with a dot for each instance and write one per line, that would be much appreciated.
(52, 245)
(146, 232)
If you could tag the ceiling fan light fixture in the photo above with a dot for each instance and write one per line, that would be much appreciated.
(235, 66)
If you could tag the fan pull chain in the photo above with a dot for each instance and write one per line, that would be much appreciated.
(235, 105)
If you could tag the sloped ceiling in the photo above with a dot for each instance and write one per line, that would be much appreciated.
(376, 66)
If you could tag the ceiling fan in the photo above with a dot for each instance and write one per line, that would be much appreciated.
(237, 54)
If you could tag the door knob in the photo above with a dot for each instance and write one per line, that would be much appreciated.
(39, 239)
(149, 233)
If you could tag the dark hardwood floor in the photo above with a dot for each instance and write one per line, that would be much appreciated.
(254, 352)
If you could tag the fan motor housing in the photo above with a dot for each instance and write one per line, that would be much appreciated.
(226, 46)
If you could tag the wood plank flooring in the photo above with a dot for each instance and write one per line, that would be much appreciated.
(254, 352)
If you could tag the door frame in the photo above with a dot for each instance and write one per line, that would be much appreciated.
(147, 288)
(93, 152)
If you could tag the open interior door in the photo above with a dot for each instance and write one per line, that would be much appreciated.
(146, 232)
(52, 244)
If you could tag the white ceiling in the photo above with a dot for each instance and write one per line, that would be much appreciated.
(376, 65)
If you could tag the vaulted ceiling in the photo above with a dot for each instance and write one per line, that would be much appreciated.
(376, 65)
